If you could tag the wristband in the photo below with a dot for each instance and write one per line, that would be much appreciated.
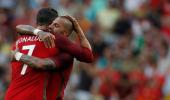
(18, 56)
(35, 32)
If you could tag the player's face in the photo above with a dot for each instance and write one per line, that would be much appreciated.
(57, 26)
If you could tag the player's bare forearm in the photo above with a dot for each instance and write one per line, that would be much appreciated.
(83, 40)
(85, 43)
(11, 56)
(38, 63)
(25, 29)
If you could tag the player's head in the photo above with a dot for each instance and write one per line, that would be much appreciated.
(46, 16)
(62, 25)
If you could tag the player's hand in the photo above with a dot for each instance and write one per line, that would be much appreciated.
(76, 25)
(12, 54)
(47, 38)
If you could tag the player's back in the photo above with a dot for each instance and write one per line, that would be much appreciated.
(28, 83)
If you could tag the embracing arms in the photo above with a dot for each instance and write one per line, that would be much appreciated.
(44, 36)
(55, 62)
(82, 52)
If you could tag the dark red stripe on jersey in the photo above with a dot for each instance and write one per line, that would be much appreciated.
(61, 87)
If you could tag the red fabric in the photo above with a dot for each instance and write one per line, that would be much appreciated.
(155, 4)
(58, 81)
(152, 91)
(29, 86)
(80, 53)
(32, 86)
(166, 7)
(166, 31)
(137, 77)
(149, 93)
(109, 79)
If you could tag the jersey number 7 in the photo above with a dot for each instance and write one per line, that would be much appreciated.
(30, 49)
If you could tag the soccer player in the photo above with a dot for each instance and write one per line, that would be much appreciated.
(58, 27)
(82, 52)
(58, 80)
(55, 90)
(28, 83)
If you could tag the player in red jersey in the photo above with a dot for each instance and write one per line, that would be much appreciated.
(78, 49)
(81, 52)
(58, 80)
(55, 90)
(28, 83)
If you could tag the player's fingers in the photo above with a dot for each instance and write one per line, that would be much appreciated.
(46, 43)
(69, 17)
(53, 36)
(72, 18)
(16, 48)
(52, 39)
(53, 43)
(49, 41)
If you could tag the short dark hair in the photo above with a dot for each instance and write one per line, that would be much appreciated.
(46, 16)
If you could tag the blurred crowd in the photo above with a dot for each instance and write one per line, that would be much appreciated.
(130, 41)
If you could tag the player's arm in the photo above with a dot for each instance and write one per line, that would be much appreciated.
(14, 49)
(11, 56)
(81, 53)
(43, 63)
(83, 40)
(33, 62)
(51, 63)
(25, 29)
(44, 36)
(37, 63)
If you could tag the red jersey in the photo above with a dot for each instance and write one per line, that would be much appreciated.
(58, 80)
(28, 83)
